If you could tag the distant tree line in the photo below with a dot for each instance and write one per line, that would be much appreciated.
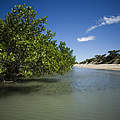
(28, 49)
(113, 57)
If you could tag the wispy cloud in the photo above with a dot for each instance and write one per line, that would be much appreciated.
(85, 39)
(105, 21)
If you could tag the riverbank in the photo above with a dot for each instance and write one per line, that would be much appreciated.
(100, 66)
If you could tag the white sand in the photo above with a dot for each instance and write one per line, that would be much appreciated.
(100, 66)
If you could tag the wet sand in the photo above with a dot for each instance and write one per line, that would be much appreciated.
(100, 66)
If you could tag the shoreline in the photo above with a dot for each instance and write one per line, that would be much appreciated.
(115, 67)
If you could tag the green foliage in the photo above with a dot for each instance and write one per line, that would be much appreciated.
(113, 57)
(27, 48)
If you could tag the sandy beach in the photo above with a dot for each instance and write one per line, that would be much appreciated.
(100, 66)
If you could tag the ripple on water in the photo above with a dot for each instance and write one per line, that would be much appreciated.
(81, 94)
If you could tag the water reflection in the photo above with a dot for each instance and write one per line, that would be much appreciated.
(81, 94)
(43, 87)
(78, 79)
(92, 80)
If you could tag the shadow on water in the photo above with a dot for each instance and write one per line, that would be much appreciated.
(45, 80)
(80, 94)
(8, 90)
(42, 86)
(76, 80)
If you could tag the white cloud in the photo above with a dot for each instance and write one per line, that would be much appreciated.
(105, 21)
(85, 39)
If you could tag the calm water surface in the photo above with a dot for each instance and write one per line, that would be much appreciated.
(81, 94)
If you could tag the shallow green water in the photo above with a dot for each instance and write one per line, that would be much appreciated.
(81, 94)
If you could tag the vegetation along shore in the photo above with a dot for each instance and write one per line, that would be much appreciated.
(100, 66)
(28, 48)
(110, 61)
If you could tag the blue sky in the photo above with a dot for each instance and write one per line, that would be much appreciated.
(70, 19)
